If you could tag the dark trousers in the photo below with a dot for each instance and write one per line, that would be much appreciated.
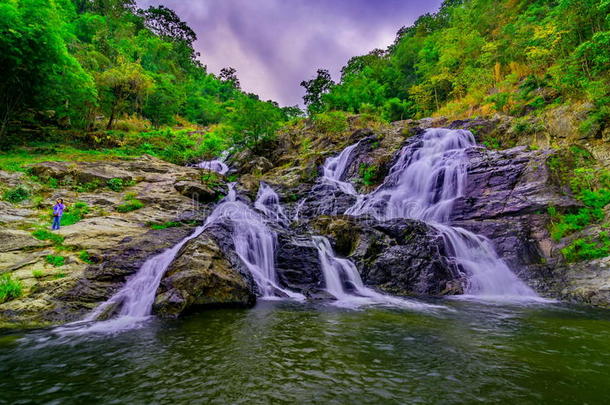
(56, 223)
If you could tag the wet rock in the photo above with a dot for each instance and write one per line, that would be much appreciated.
(201, 276)
(298, 264)
(400, 256)
(509, 183)
(196, 191)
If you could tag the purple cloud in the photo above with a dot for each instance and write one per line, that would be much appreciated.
(274, 44)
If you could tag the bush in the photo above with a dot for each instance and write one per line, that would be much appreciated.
(116, 184)
(331, 122)
(84, 256)
(9, 288)
(44, 234)
(16, 195)
(587, 248)
(166, 225)
(368, 174)
(74, 214)
(38, 273)
(130, 204)
(56, 261)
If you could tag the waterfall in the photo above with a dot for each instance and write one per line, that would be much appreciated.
(217, 165)
(254, 244)
(334, 170)
(344, 283)
(341, 276)
(423, 184)
(268, 202)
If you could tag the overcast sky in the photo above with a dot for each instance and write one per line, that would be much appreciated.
(275, 44)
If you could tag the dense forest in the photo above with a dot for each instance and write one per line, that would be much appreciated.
(95, 71)
(479, 58)
(105, 74)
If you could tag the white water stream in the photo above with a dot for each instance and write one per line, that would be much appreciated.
(423, 184)
(254, 244)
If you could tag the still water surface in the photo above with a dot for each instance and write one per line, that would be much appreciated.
(283, 352)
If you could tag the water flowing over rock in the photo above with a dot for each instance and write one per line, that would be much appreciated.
(215, 165)
(253, 241)
(429, 175)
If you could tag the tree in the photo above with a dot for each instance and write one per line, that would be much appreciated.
(229, 75)
(165, 22)
(253, 123)
(315, 88)
(123, 86)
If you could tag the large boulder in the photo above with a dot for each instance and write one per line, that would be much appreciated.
(298, 264)
(202, 276)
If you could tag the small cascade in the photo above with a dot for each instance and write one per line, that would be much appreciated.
(254, 243)
(217, 165)
(423, 184)
(344, 283)
(134, 300)
(334, 170)
(268, 202)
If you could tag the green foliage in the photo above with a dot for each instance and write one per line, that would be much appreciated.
(368, 174)
(165, 225)
(44, 234)
(253, 124)
(332, 122)
(16, 195)
(9, 288)
(84, 256)
(54, 260)
(66, 64)
(116, 184)
(38, 273)
(587, 248)
(479, 57)
(75, 213)
(130, 204)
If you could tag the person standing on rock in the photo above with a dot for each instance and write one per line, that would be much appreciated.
(58, 211)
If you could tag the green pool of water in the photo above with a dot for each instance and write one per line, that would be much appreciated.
(282, 352)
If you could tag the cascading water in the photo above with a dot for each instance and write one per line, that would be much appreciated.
(268, 202)
(216, 165)
(254, 244)
(344, 283)
(341, 276)
(423, 184)
(334, 170)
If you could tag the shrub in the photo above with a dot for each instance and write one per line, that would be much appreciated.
(368, 174)
(74, 213)
(38, 273)
(44, 234)
(59, 275)
(9, 288)
(130, 204)
(56, 261)
(16, 195)
(84, 256)
(331, 122)
(88, 187)
(116, 184)
(587, 248)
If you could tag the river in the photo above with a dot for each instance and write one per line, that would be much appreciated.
(291, 352)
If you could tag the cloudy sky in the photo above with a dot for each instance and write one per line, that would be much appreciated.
(275, 44)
